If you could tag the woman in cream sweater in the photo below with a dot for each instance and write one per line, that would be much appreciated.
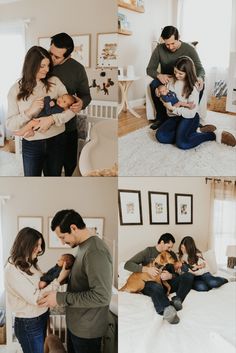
(22, 276)
(42, 150)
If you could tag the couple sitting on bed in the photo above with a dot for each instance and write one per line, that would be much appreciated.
(193, 274)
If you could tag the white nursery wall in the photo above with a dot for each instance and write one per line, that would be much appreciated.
(74, 17)
(133, 239)
(91, 197)
(136, 49)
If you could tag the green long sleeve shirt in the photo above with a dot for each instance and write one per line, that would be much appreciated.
(89, 290)
(73, 75)
(166, 59)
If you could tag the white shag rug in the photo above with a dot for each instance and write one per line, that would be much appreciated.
(140, 154)
(10, 164)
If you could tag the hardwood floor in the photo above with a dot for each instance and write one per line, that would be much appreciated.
(129, 123)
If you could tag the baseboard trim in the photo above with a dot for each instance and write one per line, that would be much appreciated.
(137, 102)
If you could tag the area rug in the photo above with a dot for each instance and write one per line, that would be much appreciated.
(10, 164)
(140, 154)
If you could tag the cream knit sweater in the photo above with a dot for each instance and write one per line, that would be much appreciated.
(23, 291)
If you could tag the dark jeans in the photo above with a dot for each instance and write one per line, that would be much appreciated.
(183, 132)
(31, 333)
(206, 282)
(43, 156)
(71, 148)
(181, 285)
(83, 345)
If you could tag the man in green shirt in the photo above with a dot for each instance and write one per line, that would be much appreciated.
(89, 287)
(180, 284)
(161, 67)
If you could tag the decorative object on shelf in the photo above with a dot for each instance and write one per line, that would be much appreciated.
(123, 23)
(104, 87)
(133, 5)
(231, 254)
(130, 71)
(95, 225)
(183, 209)
(158, 207)
(130, 207)
(82, 43)
(107, 50)
(35, 222)
(120, 72)
(53, 241)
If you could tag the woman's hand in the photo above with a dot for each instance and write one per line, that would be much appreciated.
(35, 107)
(44, 124)
(63, 274)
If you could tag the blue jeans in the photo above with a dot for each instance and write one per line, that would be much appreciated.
(44, 156)
(31, 333)
(182, 131)
(71, 148)
(83, 345)
(206, 282)
(181, 285)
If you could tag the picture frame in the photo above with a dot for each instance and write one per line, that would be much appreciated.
(53, 241)
(130, 208)
(35, 222)
(107, 45)
(95, 225)
(158, 207)
(82, 49)
(183, 209)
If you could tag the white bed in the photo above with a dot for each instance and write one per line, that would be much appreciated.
(207, 324)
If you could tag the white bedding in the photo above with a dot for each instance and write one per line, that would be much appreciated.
(207, 320)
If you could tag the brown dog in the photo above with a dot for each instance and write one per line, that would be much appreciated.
(136, 281)
(53, 344)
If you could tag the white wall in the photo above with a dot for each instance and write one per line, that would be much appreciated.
(74, 17)
(136, 49)
(133, 239)
(91, 197)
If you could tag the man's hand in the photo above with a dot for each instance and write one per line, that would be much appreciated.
(44, 124)
(76, 107)
(152, 271)
(163, 78)
(48, 300)
(199, 84)
(165, 275)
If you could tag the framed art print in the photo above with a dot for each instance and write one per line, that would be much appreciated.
(35, 222)
(94, 225)
(107, 50)
(130, 207)
(158, 207)
(183, 209)
(53, 241)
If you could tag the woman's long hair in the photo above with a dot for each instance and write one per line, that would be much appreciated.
(186, 64)
(21, 252)
(31, 66)
(191, 250)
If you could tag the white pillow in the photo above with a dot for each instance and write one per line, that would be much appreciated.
(210, 258)
(122, 274)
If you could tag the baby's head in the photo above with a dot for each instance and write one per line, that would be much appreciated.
(68, 259)
(65, 101)
(162, 90)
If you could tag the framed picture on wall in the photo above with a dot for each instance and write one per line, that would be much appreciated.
(130, 207)
(107, 44)
(95, 225)
(53, 241)
(82, 43)
(158, 207)
(35, 222)
(183, 209)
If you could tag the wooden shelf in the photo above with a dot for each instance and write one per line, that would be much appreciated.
(125, 32)
(130, 6)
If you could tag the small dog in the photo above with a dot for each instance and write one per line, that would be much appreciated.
(53, 344)
(136, 281)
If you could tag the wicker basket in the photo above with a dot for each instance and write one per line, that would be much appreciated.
(3, 334)
(217, 104)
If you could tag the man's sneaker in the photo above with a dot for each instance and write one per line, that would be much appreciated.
(207, 128)
(170, 315)
(177, 303)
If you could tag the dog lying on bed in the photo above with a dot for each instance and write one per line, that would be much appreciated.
(136, 281)
(53, 344)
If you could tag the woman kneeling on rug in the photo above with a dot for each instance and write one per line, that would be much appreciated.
(181, 127)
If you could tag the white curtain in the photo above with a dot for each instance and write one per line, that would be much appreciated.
(223, 220)
(1, 256)
(12, 43)
(210, 23)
